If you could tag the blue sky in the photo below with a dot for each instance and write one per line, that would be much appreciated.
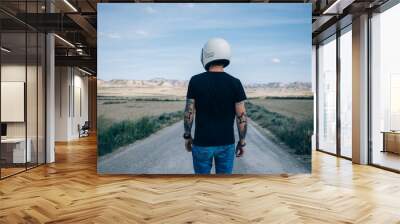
(270, 42)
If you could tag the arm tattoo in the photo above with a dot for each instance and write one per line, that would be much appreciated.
(241, 122)
(189, 115)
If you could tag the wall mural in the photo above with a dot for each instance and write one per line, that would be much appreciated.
(204, 88)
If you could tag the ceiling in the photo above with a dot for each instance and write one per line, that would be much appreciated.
(75, 21)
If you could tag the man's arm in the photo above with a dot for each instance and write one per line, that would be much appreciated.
(241, 122)
(189, 116)
(188, 122)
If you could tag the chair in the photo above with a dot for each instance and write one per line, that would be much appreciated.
(84, 130)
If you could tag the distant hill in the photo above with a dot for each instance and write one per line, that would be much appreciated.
(143, 83)
(171, 87)
(281, 85)
(183, 83)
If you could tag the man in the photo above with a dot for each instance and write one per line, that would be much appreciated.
(215, 98)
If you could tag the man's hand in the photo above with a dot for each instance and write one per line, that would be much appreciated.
(188, 144)
(240, 149)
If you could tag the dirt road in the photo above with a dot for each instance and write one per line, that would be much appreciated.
(164, 153)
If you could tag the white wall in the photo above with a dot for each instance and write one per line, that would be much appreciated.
(62, 82)
(33, 125)
(12, 73)
(70, 83)
(79, 117)
(50, 94)
(360, 90)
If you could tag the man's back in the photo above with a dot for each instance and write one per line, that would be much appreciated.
(215, 95)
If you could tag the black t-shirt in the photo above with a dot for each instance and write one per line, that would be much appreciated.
(215, 95)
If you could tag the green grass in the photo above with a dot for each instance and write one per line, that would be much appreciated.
(293, 132)
(114, 102)
(112, 136)
(111, 99)
(157, 99)
(290, 97)
(299, 109)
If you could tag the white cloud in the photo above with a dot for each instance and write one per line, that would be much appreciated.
(114, 35)
(142, 33)
(150, 10)
(211, 23)
(110, 35)
(276, 60)
(187, 5)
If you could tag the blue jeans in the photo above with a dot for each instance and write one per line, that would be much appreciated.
(222, 155)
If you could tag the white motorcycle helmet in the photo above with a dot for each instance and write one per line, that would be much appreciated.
(216, 50)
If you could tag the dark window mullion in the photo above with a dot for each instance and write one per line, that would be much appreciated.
(338, 91)
(37, 91)
(0, 97)
(26, 87)
(317, 96)
(369, 96)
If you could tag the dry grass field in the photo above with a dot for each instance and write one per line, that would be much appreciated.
(129, 108)
(119, 109)
(180, 91)
(299, 109)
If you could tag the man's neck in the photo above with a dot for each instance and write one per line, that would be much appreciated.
(216, 69)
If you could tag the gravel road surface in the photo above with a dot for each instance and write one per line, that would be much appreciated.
(164, 153)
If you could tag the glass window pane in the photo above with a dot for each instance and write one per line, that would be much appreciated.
(346, 94)
(31, 97)
(13, 87)
(385, 84)
(327, 96)
(23, 90)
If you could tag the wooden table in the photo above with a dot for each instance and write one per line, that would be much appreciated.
(391, 141)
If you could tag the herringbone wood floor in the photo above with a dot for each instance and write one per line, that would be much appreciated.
(70, 191)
